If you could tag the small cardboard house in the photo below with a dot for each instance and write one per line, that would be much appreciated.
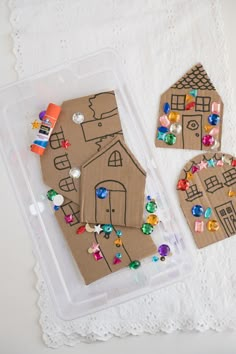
(190, 114)
(117, 170)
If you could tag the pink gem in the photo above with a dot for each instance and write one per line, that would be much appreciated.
(69, 218)
(195, 169)
(98, 255)
(215, 107)
(95, 247)
(214, 131)
(220, 163)
(199, 226)
(164, 121)
(202, 165)
(116, 260)
(208, 140)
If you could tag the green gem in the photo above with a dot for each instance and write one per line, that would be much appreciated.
(134, 265)
(51, 194)
(107, 228)
(208, 213)
(170, 139)
(147, 228)
(151, 207)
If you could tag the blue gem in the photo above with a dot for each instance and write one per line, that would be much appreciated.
(163, 129)
(197, 210)
(166, 108)
(155, 258)
(193, 92)
(161, 136)
(107, 228)
(56, 207)
(211, 163)
(149, 197)
(119, 255)
(101, 192)
(214, 119)
(119, 233)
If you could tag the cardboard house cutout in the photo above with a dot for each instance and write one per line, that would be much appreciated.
(115, 168)
(207, 195)
(98, 122)
(190, 114)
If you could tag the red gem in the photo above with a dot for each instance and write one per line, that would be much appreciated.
(65, 144)
(233, 163)
(189, 106)
(116, 260)
(81, 230)
(195, 169)
(183, 184)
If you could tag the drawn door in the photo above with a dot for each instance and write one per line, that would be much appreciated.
(111, 210)
(227, 216)
(192, 132)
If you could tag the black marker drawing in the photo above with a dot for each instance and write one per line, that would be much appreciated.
(192, 131)
(227, 216)
(178, 102)
(95, 106)
(62, 162)
(115, 159)
(196, 78)
(67, 184)
(213, 184)
(56, 139)
(230, 177)
(71, 209)
(193, 193)
(203, 104)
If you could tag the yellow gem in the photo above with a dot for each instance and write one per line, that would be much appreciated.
(207, 128)
(188, 98)
(35, 124)
(213, 225)
(152, 219)
(118, 242)
(231, 193)
(90, 250)
(174, 117)
(189, 176)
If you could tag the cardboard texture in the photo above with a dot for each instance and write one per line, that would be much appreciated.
(192, 99)
(115, 168)
(101, 124)
(136, 245)
(213, 186)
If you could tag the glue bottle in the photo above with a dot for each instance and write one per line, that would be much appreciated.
(46, 128)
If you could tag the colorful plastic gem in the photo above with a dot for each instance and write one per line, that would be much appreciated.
(98, 255)
(214, 119)
(226, 160)
(78, 118)
(197, 210)
(213, 225)
(207, 128)
(152, 219)
(161, 136)
(75, 172)
(199, 226)
(214, 131)
(119, 255)
(147, 229)
(90, 251)
(88, 228)
(183, 184)
(56, 207)
(166, 108)
(116, 260)
(189, 106)
(208, 213)
(202, 165)
(162, 129)
(65, 144)
(162, 258)
(134, 265)
(170, 139)
(164, 121)
(51, 194)
(69, 218)
(188, 98)
(211, 163)
(220, 163)
(98, 229)
(95, 247)
(151, 206)
(149, 197)
(233, 163)
(208, 140)
(174, 117)
(231, 193)
(58, 200)
(42, 114)
(164, 250)
(175, 128)
(155, 259)
(118, 242)
(107, 228)
(215, 107)
(35, 124)
(189, 176)
(81, 230)
(215, 145)
(194, 169)
(119, 233)
(193, 92)
(101, 192)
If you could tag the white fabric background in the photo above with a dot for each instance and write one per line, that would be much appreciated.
(157, 41)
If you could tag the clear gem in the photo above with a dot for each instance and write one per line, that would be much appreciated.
(78, 118)
(58, 200)
(175, 128)
(74, 172)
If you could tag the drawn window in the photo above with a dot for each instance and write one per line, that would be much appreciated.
(202, 104)
(193, 193)
(178, 102)
(56, 139)
(62, 162)
(212, 184)
(230, 177)
(115, 159)
(71, 209)
(67, 184)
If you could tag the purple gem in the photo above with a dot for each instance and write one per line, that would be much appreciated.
(42, 114)
(208, 140)
(163, 250)
(195, 169)
(69, 218)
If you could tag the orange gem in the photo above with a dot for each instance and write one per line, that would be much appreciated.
(152, 219)
(207, 128)
(174, 117)
(118, 242)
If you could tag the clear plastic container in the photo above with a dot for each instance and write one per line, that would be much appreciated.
(20, 104)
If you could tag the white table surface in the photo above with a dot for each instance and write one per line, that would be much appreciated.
(20, 331)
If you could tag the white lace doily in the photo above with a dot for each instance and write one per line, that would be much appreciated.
(157, 41)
